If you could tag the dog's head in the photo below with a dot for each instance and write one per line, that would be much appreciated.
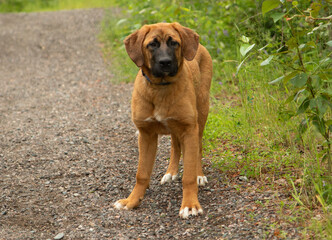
(161, 47)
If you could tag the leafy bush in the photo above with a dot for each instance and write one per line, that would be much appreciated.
(306, 58)
(213, 21)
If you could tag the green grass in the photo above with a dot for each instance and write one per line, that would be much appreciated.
(112, 36)
(51, 5)
(245, 112)
(123, 69)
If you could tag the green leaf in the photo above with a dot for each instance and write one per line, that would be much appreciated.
(290, 98)
(329, 43)
(286, 115)
(185, 9)
(325, 60)
(327, 99)
(267, 61)
(267, 45)
(143, 11)
(303, 107)
(245, 39)
(291, 43)
(319, 124)
(315, 8)
(299, 80)
(295, 3)
(298, 94)
(319, 104)
(121, 21)
(238, 67)
(277, 16)
(245, 48)
(268, 5)
(277, 80)
(329, 125)
(290, 75)
(303, 126)
(311, 44)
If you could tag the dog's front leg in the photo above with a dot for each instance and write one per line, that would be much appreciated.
(190, 204)
(147, 152)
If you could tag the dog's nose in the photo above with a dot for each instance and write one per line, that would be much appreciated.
(165, 62)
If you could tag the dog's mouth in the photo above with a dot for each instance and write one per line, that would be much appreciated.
(161, 74)
(172, 74)
(169, 71)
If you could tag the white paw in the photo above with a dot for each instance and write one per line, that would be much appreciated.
(185, 213)
(201, 180)
(168, 178)
(119, 206)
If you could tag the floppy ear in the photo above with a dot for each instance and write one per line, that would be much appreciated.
(133, 44)
(189, 39)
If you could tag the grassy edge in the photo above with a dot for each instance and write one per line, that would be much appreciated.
(55, 5)
(114, 52)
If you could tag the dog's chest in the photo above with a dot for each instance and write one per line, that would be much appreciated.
(159, 121)
(158, 117)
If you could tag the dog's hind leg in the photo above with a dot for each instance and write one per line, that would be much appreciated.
(202, 108)
(202, 100)
(173, 167)
(201, 179)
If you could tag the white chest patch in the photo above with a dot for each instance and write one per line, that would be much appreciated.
(158, 118)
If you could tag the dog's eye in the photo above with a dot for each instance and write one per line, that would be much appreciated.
(153, 44)
(171, 42)
(174, 43)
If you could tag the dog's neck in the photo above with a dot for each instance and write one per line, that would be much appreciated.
(149, 80)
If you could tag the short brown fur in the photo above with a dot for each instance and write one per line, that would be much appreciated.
(180, 109)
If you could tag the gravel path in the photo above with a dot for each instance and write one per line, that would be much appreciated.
(68, 148)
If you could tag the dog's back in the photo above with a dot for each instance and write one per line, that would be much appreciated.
(201, 68)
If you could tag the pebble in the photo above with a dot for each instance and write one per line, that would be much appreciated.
(59, 236)
(281, 182)
(243, 178)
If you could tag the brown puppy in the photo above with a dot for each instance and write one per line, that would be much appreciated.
(171, 96)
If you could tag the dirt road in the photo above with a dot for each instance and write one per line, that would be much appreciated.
(68, 148)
